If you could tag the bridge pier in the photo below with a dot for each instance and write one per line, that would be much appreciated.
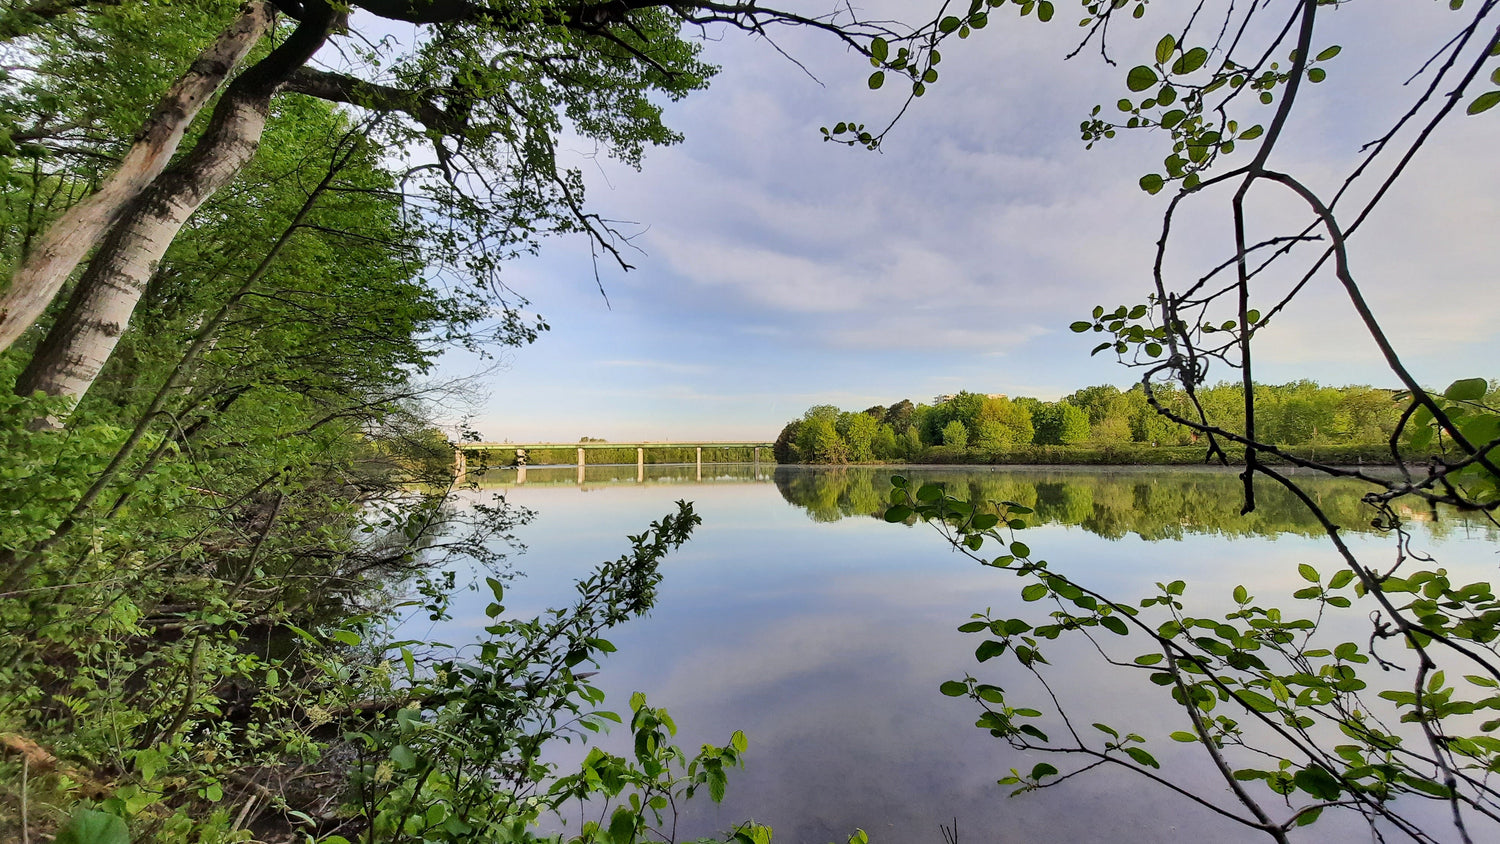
(640, 465)
(757, 463)
(700, 462)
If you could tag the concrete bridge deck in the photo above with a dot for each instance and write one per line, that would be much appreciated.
(519, 450)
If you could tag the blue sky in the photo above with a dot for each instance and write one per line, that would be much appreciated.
(777, 271)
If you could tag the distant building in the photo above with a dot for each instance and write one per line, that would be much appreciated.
(944, 399)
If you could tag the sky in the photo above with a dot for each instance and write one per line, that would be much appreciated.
(776, 271)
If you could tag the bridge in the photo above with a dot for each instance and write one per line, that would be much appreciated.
(519, 452)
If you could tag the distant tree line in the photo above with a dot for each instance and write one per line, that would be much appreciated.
(1301, 413)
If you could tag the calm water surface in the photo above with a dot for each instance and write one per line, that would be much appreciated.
(824, 632)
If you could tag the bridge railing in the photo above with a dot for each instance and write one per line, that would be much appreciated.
(519, 455)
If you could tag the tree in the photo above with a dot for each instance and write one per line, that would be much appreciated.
(858, 432)
(787, 448)
(899, 415)
(955, 435)
(1002, 424)
(490, 90)
(1100, 402)
(1059, 423)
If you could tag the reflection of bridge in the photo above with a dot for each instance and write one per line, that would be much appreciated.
(520, 451)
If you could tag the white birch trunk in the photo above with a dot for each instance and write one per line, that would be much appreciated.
(86, 332)
(68, 240)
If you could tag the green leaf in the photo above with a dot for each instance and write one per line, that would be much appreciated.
(348, 637)
(91, 826)
(880, 49)
(1034, 592)
(1255, 700)
(1142, 757)
(1340, 579)
(1152, 183)
(1113, 624)
(1316, 75)
(898, 513)
(1308, 573)
(1241, 595)
(877, 79)
(1426, 786)
(1317, 782)
(1328, 53)
(622, 825)
(1020, 549)
(1484, 102)
(1042, 769)
(1467, 389)
(1164, 48)
(953, 688)
(1044, 10)
(1140, 78)
(1184, 736)
(403, 757)
(738, 741)
(949, 24)
(1081, 326)
(1190, 61)
(989, 649)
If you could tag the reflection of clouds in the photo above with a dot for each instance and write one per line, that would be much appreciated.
(826, 643)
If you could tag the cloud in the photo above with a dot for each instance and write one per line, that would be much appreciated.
(665, 366)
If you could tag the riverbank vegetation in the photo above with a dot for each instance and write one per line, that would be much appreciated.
(229, 272)
(1099, 425)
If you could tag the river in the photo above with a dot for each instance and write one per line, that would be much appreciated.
(823, 632)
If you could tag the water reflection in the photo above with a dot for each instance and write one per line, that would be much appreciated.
(1150, 503)
(825, 637)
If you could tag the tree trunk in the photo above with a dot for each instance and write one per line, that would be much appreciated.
(86, 332)
(46, 267)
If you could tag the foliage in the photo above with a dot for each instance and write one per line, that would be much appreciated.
(1102, 424)
(955, 434)
(1282, 686)
(1294, 721)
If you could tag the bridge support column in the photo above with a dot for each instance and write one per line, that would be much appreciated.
(460, 465)
(520, 474)
(580, 474)
(640, 465)
(700, 462)
(757, 463)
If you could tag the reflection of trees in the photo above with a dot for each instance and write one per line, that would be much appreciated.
(1153, 505)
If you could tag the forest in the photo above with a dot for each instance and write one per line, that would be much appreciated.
(1100, 424)
(229, 271)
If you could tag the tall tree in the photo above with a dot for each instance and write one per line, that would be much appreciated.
(489, 88)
